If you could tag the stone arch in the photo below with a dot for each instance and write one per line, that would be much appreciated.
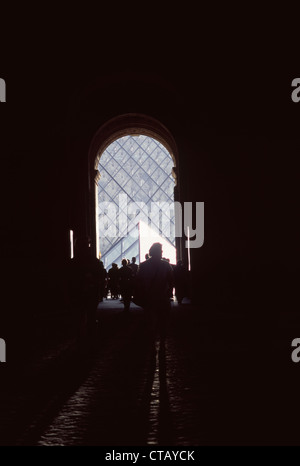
(115, 128)
(133, 124)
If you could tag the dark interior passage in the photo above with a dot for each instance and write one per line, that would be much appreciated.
(226, 376)
(194, 391)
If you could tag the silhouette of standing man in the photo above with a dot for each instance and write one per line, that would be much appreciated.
(113, 276)
(125, 275)
(134, 267)
(154, 279)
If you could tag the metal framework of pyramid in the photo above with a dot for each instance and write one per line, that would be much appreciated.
(141, 168)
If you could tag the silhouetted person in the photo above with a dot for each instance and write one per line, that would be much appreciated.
(180, 281)
(154, 278)
(113, 275)
(134, 267)
(125, 283)
(84, 290)
(102, 284)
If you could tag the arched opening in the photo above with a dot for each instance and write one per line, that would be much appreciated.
(135, 200)
(132, 134)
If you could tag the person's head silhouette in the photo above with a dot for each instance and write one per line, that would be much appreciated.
(155, 252)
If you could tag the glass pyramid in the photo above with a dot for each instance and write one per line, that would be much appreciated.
(141, 168)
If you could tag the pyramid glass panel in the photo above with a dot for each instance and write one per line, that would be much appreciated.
(140, 168)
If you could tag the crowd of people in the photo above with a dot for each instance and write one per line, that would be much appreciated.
(149, 285)
(120, 282)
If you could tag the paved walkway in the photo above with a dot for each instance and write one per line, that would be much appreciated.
(202, 388)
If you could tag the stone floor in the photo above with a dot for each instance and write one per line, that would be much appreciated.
(212, 383)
